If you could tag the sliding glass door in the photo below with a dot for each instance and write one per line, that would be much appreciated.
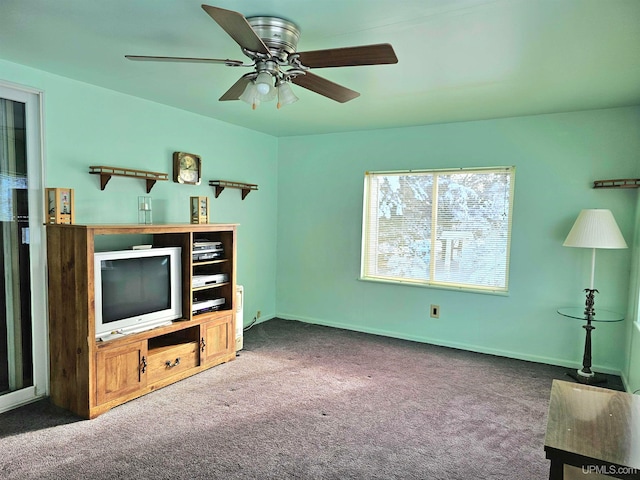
(23, 346)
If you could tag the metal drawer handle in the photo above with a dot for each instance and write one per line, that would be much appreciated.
(174, 364)
(144, 364)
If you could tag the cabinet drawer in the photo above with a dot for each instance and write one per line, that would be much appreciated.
(171, 360)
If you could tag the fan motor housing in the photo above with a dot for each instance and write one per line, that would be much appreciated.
(277, 33)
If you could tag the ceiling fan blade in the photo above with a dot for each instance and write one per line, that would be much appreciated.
(325, 87)
(236, 25)
(145, 58)
(378, 54)
(236, 89)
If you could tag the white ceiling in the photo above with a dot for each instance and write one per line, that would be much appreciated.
(457, 59)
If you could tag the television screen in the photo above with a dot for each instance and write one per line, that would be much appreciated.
(135, 286)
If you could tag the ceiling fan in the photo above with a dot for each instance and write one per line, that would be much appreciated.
(270, 43)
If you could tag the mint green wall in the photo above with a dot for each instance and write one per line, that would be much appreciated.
(311, 189)
(86, 125)
(557, 157)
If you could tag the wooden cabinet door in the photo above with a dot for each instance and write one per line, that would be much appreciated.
(218, 339)
(120, 371)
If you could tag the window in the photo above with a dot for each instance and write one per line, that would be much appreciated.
(448, 228)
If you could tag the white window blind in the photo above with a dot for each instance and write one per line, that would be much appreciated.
(447, 228)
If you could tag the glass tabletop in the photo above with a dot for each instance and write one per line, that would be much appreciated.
(600, 315)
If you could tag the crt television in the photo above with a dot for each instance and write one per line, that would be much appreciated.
(136, 290)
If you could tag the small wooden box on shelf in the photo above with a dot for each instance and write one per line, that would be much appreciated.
(59, 206)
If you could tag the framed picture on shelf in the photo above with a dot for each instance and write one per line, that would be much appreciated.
(59, 205)
(187, 168)
(199, 209)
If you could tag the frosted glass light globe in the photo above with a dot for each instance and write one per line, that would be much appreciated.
(263, 83)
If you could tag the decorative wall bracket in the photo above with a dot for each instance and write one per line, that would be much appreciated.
(221, 184)
(107, 172)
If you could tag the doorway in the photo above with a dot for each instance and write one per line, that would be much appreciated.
(23, 334)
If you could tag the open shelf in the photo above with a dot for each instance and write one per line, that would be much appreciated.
(179, 337)
(220, 185)
(210, 286)
(617, 183)
(209, 262)
(107, 172)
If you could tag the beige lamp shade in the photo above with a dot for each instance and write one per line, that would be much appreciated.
(595, 228)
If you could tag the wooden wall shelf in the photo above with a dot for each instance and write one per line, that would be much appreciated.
(222, 184)
(618, 183)
(107, 172)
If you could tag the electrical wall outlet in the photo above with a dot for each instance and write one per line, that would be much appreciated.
(435, 311)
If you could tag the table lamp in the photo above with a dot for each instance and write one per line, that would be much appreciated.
(594, 228)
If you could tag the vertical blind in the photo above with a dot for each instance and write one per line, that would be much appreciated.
(449, 228)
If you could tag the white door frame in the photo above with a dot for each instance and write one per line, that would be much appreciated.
(33, 100)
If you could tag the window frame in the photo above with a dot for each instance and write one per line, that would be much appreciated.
(431, 282)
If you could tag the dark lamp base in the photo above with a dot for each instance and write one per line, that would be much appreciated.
(594, 379)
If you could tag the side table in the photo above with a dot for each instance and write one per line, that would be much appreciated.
(593, 429)
(585, 375)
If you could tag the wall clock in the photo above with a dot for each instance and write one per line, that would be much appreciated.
(187, 168)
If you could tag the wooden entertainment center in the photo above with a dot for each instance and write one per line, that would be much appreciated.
(90, 376)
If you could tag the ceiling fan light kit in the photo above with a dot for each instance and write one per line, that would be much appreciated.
(271, 44)
(254, 97)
